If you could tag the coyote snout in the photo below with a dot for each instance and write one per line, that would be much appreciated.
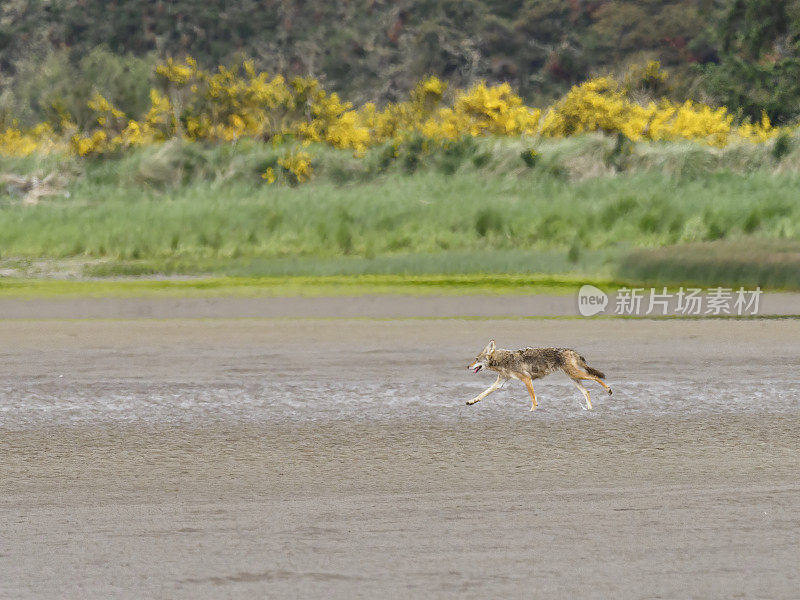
(533, 363)
(475, 367)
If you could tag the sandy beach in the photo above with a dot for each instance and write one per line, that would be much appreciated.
(302, 457)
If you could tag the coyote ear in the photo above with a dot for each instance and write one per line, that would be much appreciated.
(489, 347)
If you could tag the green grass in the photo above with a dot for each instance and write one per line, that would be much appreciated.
(468, 262)
(423, 214)
(769, 264)
(296, 286)
(582, 209)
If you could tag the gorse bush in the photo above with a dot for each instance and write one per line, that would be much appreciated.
(56, 87)
(236, 103)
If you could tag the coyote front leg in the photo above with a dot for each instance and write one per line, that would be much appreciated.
(529, 384)
(585, 393)
(487, 391)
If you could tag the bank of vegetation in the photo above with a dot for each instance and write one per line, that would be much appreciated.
(585, 206)
(132, 161)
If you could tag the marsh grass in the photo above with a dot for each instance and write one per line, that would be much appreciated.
(522, 262)
(769, 264)
(423, 214)
(475, 206)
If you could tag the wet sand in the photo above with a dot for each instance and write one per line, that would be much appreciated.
(216, 458)
(377, 306)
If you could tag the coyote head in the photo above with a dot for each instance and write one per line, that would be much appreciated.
(482, 360)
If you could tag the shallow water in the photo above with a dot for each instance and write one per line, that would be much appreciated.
(26, 404)
(161, 372)
(189, 458)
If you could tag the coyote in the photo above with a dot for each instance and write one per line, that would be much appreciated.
(532, 363)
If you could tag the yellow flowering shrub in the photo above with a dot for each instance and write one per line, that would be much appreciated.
(107, 113)
(692, 122)
(394, 121)
(758, 133)
(600, 105)
(347, 131)
(41, 139)
(238, 101)
(648, 77)
(269, 175)
(296, 165)
(483, 110)
(159, 122)
(596, 105)
(180, 74)
(86, 145)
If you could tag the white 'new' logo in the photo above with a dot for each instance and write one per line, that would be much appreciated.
(591, 300)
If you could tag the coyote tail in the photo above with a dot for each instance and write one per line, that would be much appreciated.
(595, 372)
(592, 370)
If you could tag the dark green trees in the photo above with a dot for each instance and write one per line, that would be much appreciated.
(759, 68)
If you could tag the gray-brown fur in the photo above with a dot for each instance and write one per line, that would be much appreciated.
(593, 371)
(534, 363)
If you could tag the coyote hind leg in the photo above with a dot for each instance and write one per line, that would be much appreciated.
(585, 393)
(584, 372)
(529, 384)
(598, 380)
